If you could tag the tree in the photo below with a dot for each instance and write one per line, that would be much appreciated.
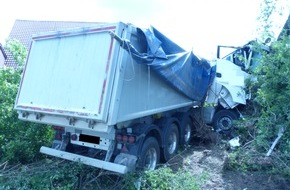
(266, 128)
(273, 92)
(273, 95)
(18, 51)
(20, 141)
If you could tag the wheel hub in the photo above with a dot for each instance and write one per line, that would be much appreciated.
(172, 143)
(151, 159)
(225, 123)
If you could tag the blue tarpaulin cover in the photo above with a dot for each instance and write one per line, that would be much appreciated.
(181, 69)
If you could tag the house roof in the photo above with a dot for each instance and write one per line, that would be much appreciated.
(287, 26)
(23, 30)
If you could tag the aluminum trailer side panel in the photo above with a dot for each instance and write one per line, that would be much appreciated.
(144, 93)
(138, 90)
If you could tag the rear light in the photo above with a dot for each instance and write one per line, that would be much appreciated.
(126, 138)
(131, 139)
(119, 137)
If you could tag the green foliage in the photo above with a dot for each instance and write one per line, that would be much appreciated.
(44, 175)
(268, 113)
(18, 51)
(164, 178)
(19, 141)
(273, 94)
(249, 160)
(268, 7)
(62, 175)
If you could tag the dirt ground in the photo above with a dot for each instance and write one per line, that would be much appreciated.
(210, 159)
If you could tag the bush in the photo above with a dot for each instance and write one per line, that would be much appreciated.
(268, 114)
(165, 178)
(46, 174)
(273, 95)
(62, 175)
(20, 141)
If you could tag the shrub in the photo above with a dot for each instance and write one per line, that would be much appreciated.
(20, 141)
(165, 178)
(273, 95)
(271, 112)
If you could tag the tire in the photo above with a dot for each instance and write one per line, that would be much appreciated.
(150, 154)
(186, 127)
(171, 141)
(223, 120)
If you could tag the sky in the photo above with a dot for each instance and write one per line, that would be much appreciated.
(197, 25)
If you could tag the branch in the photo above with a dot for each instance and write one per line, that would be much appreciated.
(280, 133)
(246, 144)
(277, 157)
(4, 165)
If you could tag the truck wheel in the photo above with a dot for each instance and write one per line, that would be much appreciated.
(171, 141)
(223, 120)
(150, 154)
(186, 126)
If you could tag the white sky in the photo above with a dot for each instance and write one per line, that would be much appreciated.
(198, 25)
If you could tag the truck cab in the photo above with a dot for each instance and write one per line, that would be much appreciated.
(246, 56)
(227, 94)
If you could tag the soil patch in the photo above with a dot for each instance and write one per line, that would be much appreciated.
(210, 159)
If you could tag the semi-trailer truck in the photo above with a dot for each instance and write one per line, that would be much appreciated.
(120, 97)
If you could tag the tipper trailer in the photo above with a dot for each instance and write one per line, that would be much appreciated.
(119, 97)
